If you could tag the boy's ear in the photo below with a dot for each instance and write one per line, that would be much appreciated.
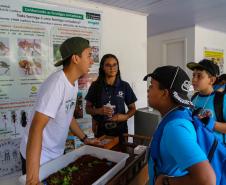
(75, 59)
(213, 79)
(166, 93)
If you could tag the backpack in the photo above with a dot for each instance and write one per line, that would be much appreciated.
(218, 107)
(214, 150)
(224, 91)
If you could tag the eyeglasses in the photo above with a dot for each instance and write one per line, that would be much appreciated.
(111, 66)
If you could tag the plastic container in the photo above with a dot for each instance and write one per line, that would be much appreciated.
(61, 162)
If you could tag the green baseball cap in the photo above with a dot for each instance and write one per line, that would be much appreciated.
(73, 45)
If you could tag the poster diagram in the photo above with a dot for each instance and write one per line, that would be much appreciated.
(10, 162)
(29, 54)
(4, 47)
(4, 57)
(56, 53)
(95, 54)
(4, 67)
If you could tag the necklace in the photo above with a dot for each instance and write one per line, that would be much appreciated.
(109, 93)
(205, 103)
(170, 111)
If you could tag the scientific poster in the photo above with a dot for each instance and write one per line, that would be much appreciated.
(30, 36)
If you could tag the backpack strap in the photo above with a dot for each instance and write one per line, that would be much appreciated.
(219, 107)
(224, 91)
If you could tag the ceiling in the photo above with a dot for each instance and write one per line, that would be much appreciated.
(169, 15)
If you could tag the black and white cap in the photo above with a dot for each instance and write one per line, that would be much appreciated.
(176, 80)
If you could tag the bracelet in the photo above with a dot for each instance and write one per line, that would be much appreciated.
(84, 138)
(165, 181)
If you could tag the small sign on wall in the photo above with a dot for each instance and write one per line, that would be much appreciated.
(216, 55)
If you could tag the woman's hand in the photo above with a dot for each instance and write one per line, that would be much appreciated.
(119, 118)
(105, 110)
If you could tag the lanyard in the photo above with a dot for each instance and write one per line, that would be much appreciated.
(109, 93)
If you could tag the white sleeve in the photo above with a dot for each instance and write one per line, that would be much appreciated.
(49, 98)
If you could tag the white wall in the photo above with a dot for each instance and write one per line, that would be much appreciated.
(156, 46)
(208, 38)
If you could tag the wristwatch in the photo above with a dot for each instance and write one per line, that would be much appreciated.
(165, 181)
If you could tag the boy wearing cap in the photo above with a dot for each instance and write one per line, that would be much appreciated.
(52, 116)
(204, 76)
(179, 159)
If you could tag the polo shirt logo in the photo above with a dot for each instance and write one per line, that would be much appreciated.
(120, 94)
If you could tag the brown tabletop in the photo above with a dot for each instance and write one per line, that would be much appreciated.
(133, 166)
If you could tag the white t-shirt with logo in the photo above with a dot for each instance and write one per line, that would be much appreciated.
(56, 99)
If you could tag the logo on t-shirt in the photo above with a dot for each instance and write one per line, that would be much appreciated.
(120, 94)
(69, 104)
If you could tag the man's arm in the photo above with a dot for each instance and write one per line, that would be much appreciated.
(34, 146)
(76, 129)
(198, 174)
(79, 133)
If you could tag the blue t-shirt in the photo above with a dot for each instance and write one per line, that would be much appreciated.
(207, 103)
(178, 149)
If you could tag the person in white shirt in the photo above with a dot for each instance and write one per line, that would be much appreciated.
(45, 136)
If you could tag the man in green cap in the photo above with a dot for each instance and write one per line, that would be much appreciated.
(52, 116)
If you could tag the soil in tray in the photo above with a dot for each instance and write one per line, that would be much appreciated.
(83, 171)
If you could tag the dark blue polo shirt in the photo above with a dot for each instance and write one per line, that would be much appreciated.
(118, 95)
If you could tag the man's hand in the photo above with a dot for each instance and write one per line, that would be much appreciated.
(88, 141)
(34, 182)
